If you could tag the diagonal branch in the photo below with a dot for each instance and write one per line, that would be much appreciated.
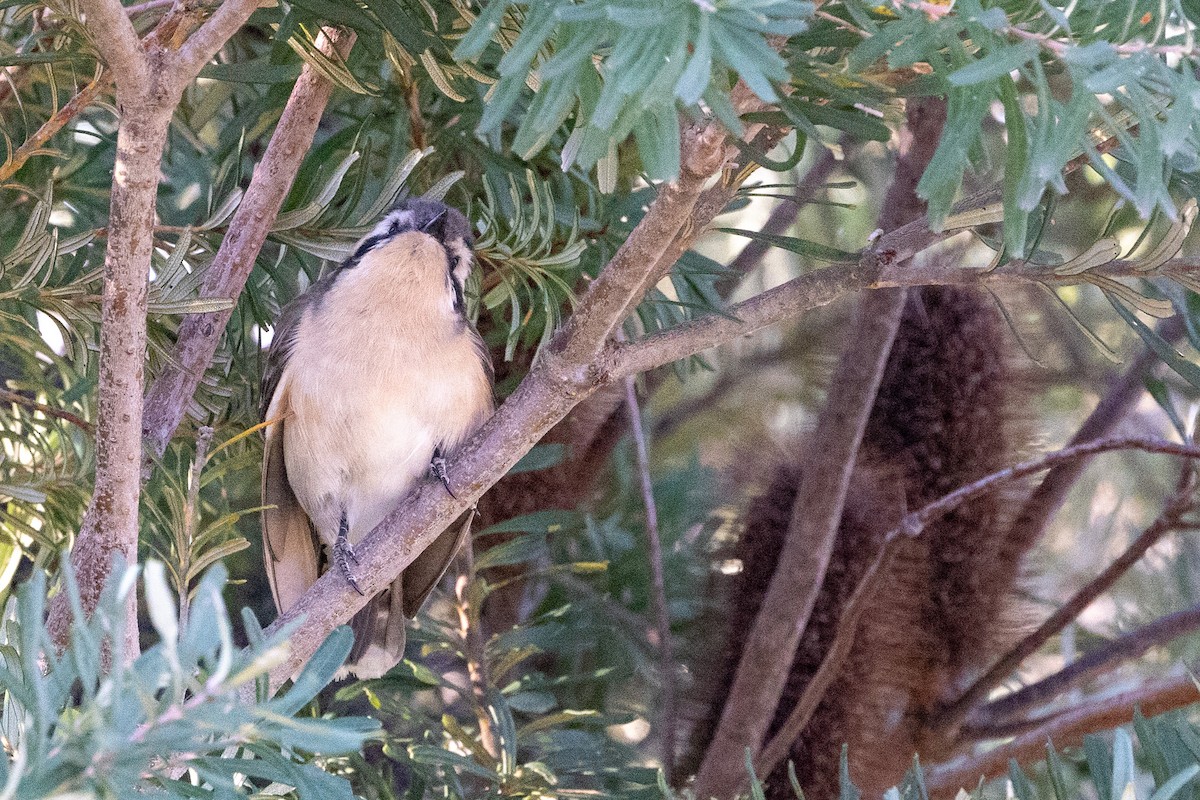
(795, 585)
(1131, 645)
(631, 271)
(914, 525)
(766, 656)
(1065, 730)
(31, 146)
(199, 334)
(1041, 506)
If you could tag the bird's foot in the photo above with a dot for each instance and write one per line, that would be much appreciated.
(343, 554)
(437, 465)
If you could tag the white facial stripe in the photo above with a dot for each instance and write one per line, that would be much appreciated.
(462, 260)
(404, 219)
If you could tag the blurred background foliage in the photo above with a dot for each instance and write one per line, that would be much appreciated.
(549, 123)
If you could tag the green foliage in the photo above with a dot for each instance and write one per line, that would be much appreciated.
(622, 68)
(181, 719)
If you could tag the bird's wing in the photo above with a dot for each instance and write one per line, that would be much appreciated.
(419, 577)
(289, 544)
(290, 547)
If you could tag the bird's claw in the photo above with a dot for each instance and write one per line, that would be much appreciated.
(343, 554)
(437, 466)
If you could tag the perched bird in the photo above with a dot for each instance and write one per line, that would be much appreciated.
(374, 375)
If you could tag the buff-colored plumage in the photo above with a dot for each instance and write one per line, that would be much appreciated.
(371, 371)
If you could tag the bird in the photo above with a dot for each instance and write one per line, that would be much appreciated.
(374, 376)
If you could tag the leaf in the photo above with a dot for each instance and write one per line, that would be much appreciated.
(317, 673)
(1169, 789)
(998, 63)
(515, 551)
(803, 247)
(1161, 347)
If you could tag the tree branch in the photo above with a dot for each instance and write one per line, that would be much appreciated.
(1065, 730)
(915, 524)
(875, 269)
(17, 398)
(203, 44)
(199, 334)
(117, 41)
(110, 526)
(33, 144)
(1041, 506)
(631, 272)
(1131, 645)
(762, 674)
(1180, 503)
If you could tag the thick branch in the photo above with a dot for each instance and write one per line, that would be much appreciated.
(1130, 645)
(110, 526)
(1179, 504)
(114, 36)
(1065, 730)
(199, 334)
(817, 510)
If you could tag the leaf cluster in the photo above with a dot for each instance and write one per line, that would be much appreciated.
(180, 719)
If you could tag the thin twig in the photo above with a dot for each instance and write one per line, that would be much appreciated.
(1178, 505)
(1065, 730)
(33, 145)
(1098, 661)
(466, 596)
(7, 396)
(1043, 503)
(662, 619)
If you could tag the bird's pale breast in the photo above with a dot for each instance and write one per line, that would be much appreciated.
(393, 385)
